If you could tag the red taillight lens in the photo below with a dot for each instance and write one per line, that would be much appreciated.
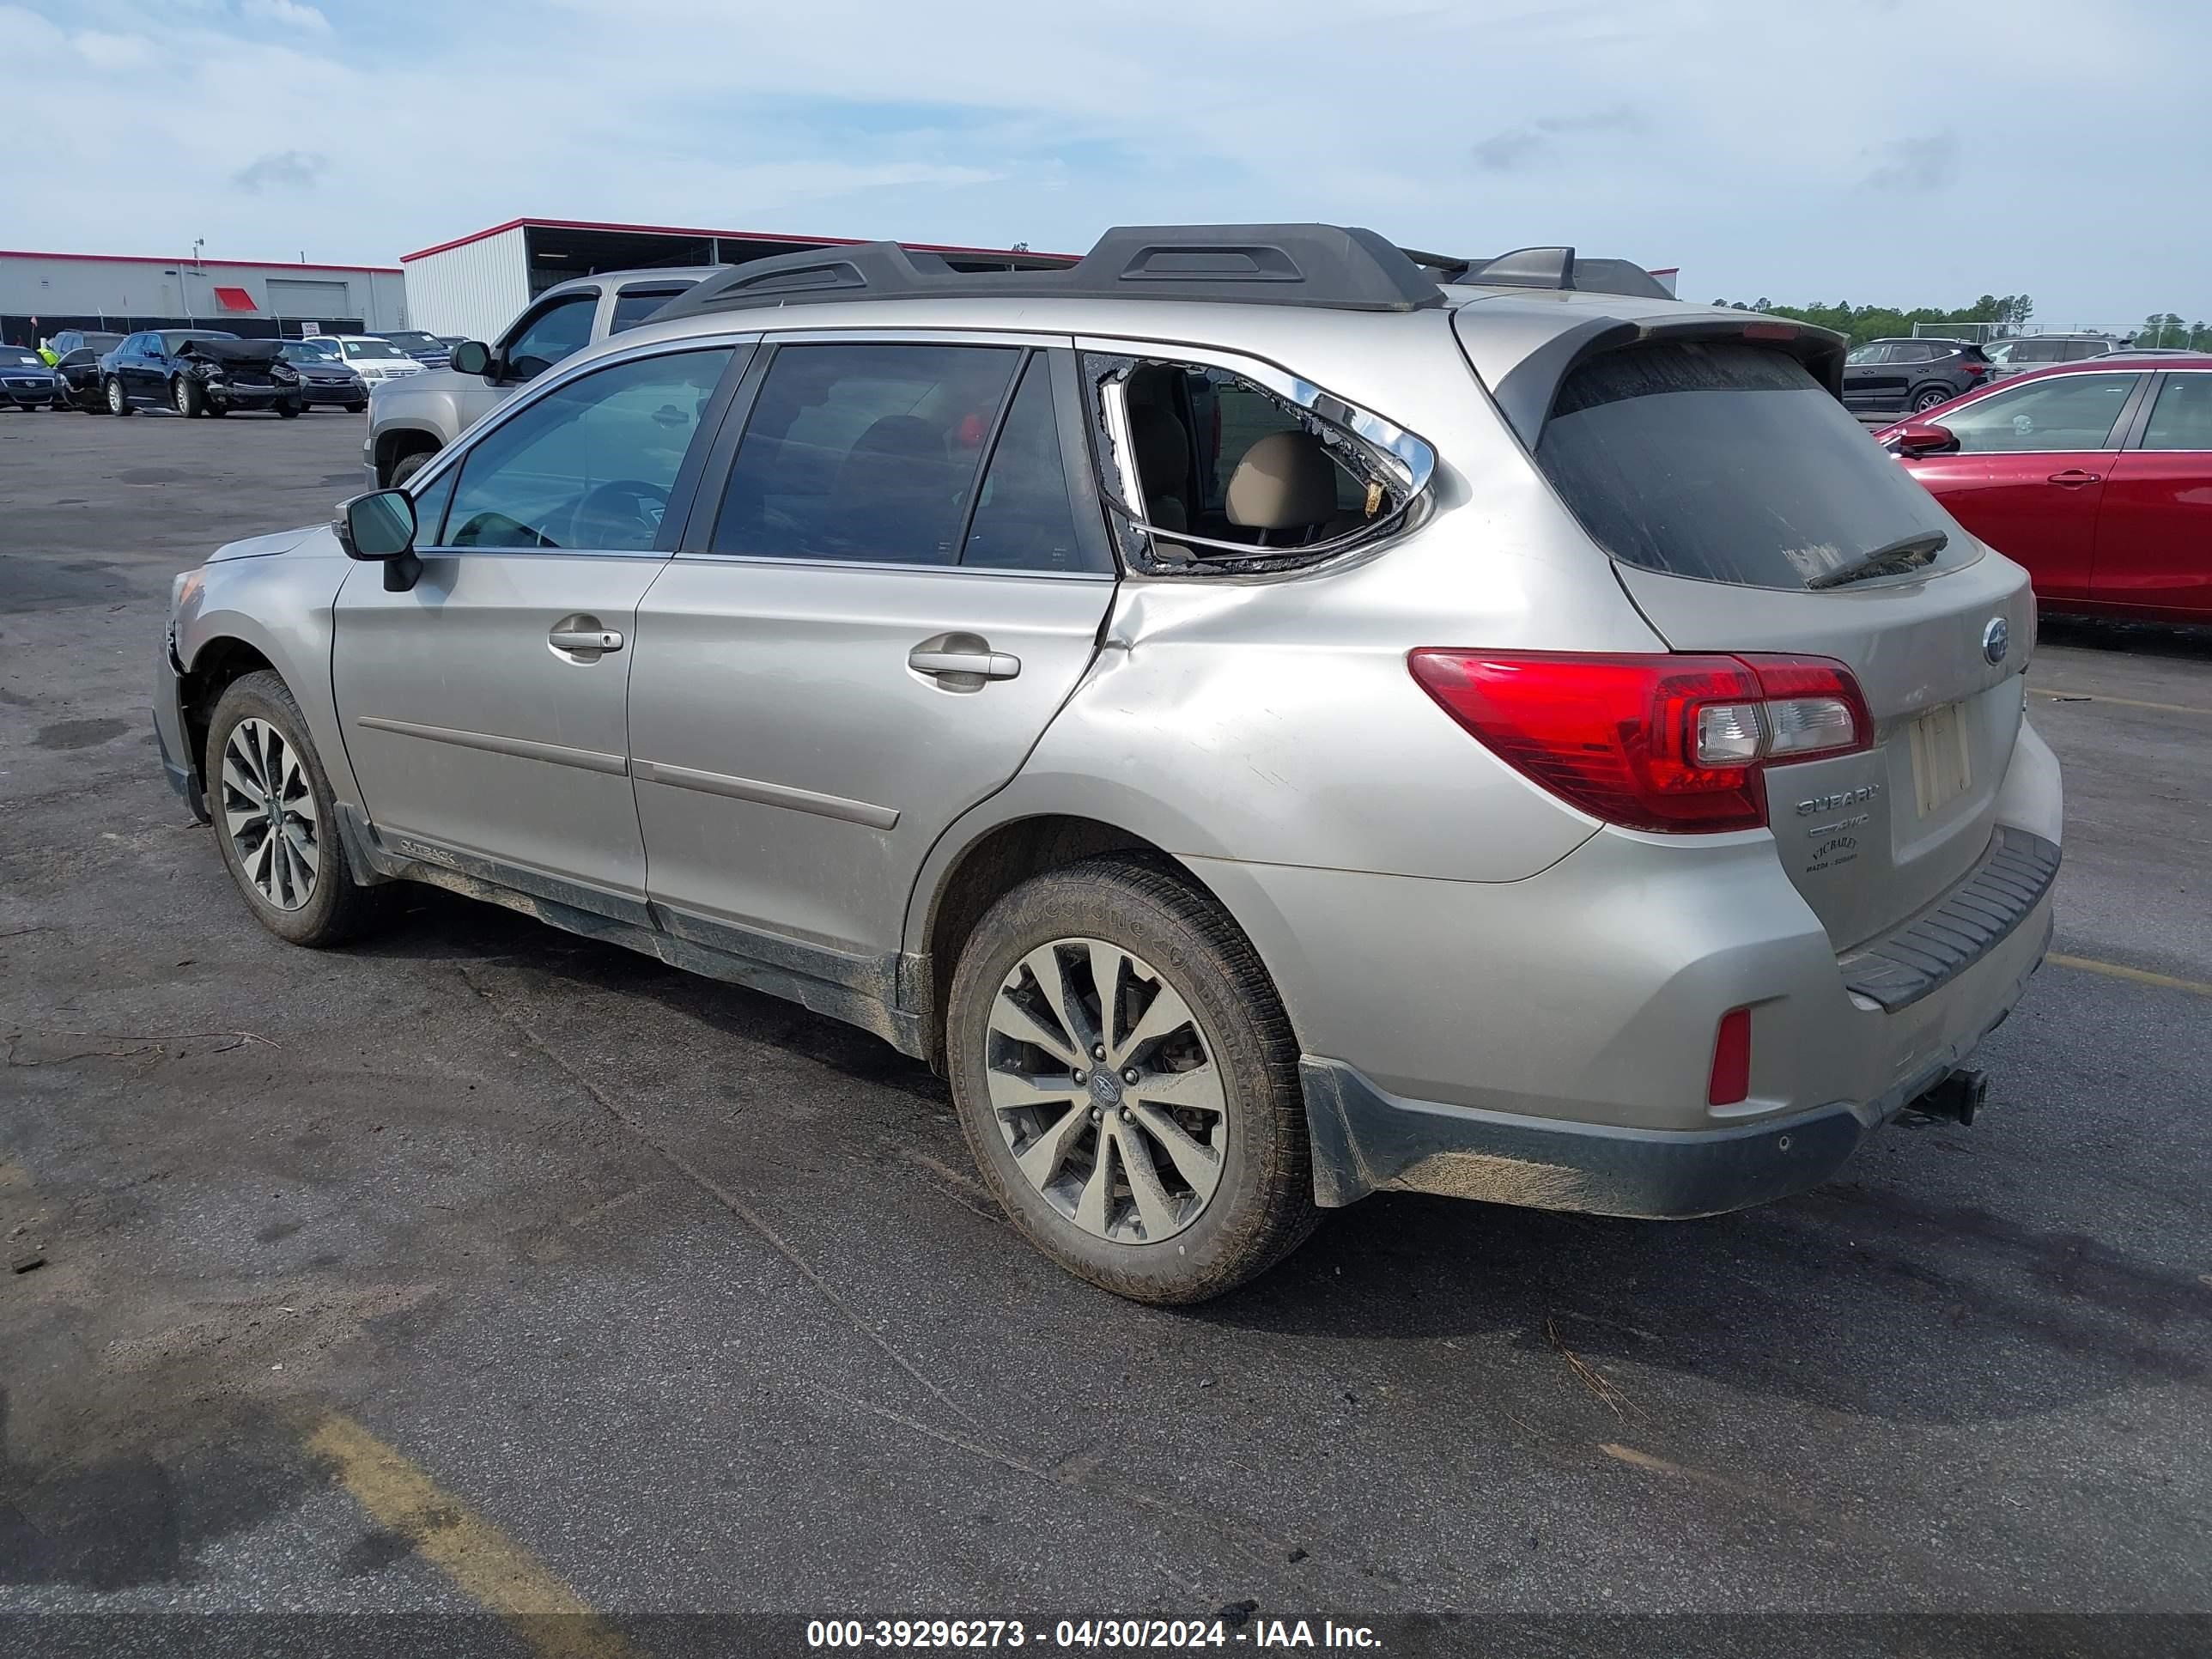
(1973, 370)
(1731, 1075)
(1666, 742)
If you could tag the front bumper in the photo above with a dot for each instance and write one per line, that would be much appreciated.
(313, 393)
(232, 396)
(24, 394)
(173, 736)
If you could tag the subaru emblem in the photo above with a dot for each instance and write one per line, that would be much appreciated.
(1995, 638)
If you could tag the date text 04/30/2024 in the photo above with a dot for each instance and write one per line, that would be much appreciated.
(1089, 1635)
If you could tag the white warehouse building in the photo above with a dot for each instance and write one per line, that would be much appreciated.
(42, 293)
(475, 285)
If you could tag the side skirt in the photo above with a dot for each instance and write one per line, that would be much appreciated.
(860, 991)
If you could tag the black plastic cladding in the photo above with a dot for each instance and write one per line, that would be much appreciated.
(1326, 266)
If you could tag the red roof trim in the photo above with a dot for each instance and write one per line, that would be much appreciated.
(694, 230)
(199, 265)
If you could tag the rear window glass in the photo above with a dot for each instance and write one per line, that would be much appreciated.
(1727, 463)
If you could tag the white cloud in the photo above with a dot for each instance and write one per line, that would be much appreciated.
(289, 13)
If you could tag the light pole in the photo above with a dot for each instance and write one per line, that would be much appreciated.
(184, 277)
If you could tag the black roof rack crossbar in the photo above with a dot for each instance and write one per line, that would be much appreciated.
(1326, 266)
(1554, 268)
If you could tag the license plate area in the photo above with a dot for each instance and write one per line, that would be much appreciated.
(1942, 761)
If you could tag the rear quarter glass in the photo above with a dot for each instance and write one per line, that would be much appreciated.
(1727, 463)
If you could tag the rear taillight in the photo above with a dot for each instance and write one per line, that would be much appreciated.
(1667, 743)
(1973, 370)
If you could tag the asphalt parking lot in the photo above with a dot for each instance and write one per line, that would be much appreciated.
(483, 1268)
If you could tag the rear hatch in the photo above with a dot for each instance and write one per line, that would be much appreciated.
(1746, 512)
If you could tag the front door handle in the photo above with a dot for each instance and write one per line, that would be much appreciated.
(2074, 477)
(582, 639)
(962, 662)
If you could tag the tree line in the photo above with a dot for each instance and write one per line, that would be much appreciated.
(2005, 312)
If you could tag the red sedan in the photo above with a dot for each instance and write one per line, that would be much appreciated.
(2097, 476)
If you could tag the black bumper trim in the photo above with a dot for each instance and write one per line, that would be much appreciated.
(1365, 1141)
(1960, 928)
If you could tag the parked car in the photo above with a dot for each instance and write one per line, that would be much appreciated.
(427, 349)
(99, 342)
(198, 371)
(1889, 377)
(2096, 476)
(81, 385)
(325, 377)
(410, 424)
(2011, 357)
(375, 358)
(880, 644)
(26, 382)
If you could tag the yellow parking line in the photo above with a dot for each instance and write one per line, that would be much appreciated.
(2140, 976)
(487, 1565)
(2125, 702)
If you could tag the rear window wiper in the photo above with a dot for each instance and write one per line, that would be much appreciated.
(1890, 559)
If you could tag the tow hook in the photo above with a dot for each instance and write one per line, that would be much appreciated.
(1957, 1097)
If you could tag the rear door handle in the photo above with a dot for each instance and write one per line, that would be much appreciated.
(2074, 477)
(929, 658)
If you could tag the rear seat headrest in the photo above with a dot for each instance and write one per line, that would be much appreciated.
(1286, 482)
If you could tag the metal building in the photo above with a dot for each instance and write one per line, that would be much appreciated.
(256, 298)
(475, 285)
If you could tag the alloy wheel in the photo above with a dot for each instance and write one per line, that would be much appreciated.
(269, 813)
(1104, 1085)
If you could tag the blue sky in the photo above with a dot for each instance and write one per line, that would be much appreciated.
(1862, 150)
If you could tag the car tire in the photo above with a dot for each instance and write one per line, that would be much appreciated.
(1224, 1162)
(1928, 396)
(356, 409)
(408, 466)
(118, 401)
(187, 397)
(299, 887)
(291, 411)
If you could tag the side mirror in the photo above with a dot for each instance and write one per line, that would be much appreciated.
(379, 528)
(471, 357)
(1925, 438)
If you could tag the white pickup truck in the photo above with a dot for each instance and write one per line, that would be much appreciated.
(412, 419)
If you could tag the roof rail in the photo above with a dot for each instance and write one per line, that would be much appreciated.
(1553, 268)
(1327, 266)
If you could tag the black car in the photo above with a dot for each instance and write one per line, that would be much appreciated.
(78, 371)
(1898, 377)
(26, 382)
(199, 371)
(324, 376)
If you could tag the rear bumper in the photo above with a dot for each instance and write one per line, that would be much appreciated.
(1366, 1140)
(1550, 1040)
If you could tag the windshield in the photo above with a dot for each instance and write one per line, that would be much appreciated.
(319, 351)
(414, 340)
(1731, 463)
(372, 349)
(17, 357)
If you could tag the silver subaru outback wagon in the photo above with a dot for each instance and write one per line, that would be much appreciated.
(1269, 718)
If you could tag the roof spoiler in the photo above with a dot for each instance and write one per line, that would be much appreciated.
(1327, 266)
